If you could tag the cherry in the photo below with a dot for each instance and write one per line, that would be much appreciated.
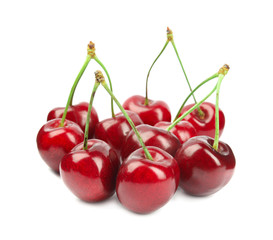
(206, 165)
(203, 170)
(54, 141)
(182, 130)
(205, 124)
(150, 113)
(152, 136)
(145, 185)
(91, 174)
(77, 113)
(114, 130)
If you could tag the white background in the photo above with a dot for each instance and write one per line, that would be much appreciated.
(42, 48)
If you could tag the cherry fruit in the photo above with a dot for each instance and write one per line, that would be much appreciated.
(145, 185)
(114, 130)
(203, 170)
(150, 113)
(78, 114)
(55, 141)
(152, 136)
(91, 174)
(182, 130)
(204, 124)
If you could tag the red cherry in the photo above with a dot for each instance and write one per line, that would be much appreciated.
(143, 185)
(78, 114)
(151, 114)
(204, 125)
(54, 142)
(182, 130)
(114, 130)
(91, 174)
(203, 170)
(152, 136)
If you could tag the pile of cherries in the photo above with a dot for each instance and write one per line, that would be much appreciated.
(138, 153)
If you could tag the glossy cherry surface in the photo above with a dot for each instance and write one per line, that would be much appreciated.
(205, 125)
(114, 130)
(182, 130)
(91, 174)
(151, 114)
(78, 114)
(152, 136)
(203, 170)
(54, 142)
(144, 185)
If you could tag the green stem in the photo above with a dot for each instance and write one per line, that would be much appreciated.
(201, 113)
(191, 109)
(88, 58)
(146, 98)
(205, 81)
(85, 143)
(101, 79)
(72, 91)
(110, 83)
(216, 138)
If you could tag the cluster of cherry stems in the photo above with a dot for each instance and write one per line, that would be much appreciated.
(138, 153)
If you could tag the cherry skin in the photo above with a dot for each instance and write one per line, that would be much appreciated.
(182, 130)
(54, 142)
(203, 170)
(151, 114)
(151, 136)
(91, 174)
(205, 125)
(145, 185)
(78, 114)
(114, 130)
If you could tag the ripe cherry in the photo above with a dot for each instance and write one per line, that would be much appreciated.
(91, 173)
(151, 136)
(182, 130)
(54, 141)
(204, 170)
(150, 113)
(114, 130)
(77, 113)
(145, 185)
(205, 124)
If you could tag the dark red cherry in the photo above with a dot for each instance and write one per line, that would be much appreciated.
(91, 174)
(114, 130)
(203, 170)
(145, 185)
(151, 114)
(78, 114)
(54, 142)
(205, 125)
(182, 130)
(152, 136)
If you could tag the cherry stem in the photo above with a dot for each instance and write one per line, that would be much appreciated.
(146, 98)
(110, 83)
(85, 142)
(201, 113)
(201, 84)
(100, 78)
(191, 109)
(90, 55)
(88, 58)
(222, 72)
